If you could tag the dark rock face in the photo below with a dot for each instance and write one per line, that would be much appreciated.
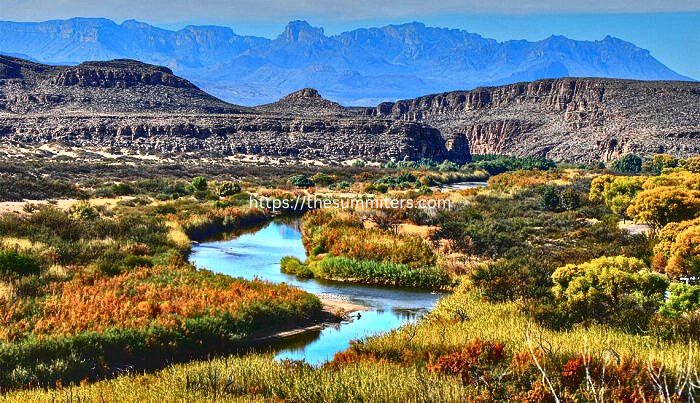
(130, 106)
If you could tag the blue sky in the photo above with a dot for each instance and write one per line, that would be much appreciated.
(670, 29)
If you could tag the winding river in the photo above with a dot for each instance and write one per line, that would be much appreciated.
(257, 253)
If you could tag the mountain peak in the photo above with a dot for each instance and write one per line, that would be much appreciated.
(301, 31)
(306, 101)
(305, 93)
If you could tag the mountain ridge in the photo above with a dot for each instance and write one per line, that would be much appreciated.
(363, 66)
(127, 107)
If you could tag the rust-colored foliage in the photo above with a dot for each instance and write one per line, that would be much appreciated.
(473, 361)
(164, 296)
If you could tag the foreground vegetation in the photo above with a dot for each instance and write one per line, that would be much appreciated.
(260, 378)
(553, 298)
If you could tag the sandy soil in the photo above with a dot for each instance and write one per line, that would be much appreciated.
(64, 204)
(338, 306)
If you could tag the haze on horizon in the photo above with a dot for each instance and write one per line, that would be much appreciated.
(670, 30)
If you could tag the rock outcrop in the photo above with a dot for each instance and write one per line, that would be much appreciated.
(118, 86)
(305, 102)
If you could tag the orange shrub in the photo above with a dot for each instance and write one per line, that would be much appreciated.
(342, 233)
(475, 359)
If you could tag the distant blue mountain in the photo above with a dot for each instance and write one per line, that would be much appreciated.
(360, 67)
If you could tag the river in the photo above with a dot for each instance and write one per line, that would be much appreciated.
(256, 253)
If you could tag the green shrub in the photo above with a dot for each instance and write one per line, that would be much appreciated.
(323, 179)
(381, 188)
(682, 299)
(659, 162)
(340, 185)
(373, 272)
(84, 211)
(199, 183)
(122, 189)
(549, 198)
(496, 164)
(14, 264)
(294, 266)
(570, 199)
(226, 189)
(618, 290)
(301, 181)
(511, 279)
(628, 163)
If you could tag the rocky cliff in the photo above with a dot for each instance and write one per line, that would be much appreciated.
(131, 107)
(571, 119)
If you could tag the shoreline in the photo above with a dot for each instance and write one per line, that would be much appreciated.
(335, 311)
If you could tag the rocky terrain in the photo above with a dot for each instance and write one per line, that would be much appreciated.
(305, 102)
(119, 86)
(128, 107)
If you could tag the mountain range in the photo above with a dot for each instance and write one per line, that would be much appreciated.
(359, 67)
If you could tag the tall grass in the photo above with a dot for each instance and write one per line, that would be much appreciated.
(464, 316)
(373, 272)
(259, 378)
(342, 233)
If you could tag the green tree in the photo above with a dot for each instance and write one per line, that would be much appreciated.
(629, 163)
(617, 192)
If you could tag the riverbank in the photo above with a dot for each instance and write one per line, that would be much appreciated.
(335, 305)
